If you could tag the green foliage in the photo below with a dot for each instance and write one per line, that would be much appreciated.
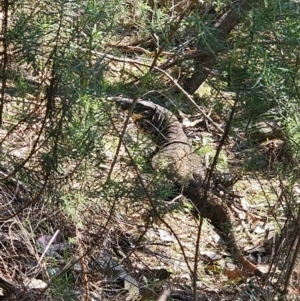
(263, 66)
(207, 152)
(74, 204)
(292, 127)
(66, 57)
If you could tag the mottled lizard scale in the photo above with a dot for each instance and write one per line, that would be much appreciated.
(176, 158)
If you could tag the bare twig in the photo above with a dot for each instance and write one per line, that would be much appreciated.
(83, 262)
(132, 49)
(48, 246)
(294, 259)
(195, 274)
(3, 219)
(5, 58)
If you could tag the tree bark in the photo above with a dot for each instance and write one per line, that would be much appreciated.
(221, 29)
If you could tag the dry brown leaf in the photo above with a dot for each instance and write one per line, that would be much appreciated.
(232, 274)
(236, 274)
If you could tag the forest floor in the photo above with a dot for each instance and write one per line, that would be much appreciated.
(150, 254)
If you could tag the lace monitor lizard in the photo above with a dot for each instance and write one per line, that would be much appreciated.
(185, 168)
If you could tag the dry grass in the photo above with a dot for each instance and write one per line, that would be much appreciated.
(70, 233)
(98, 222)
